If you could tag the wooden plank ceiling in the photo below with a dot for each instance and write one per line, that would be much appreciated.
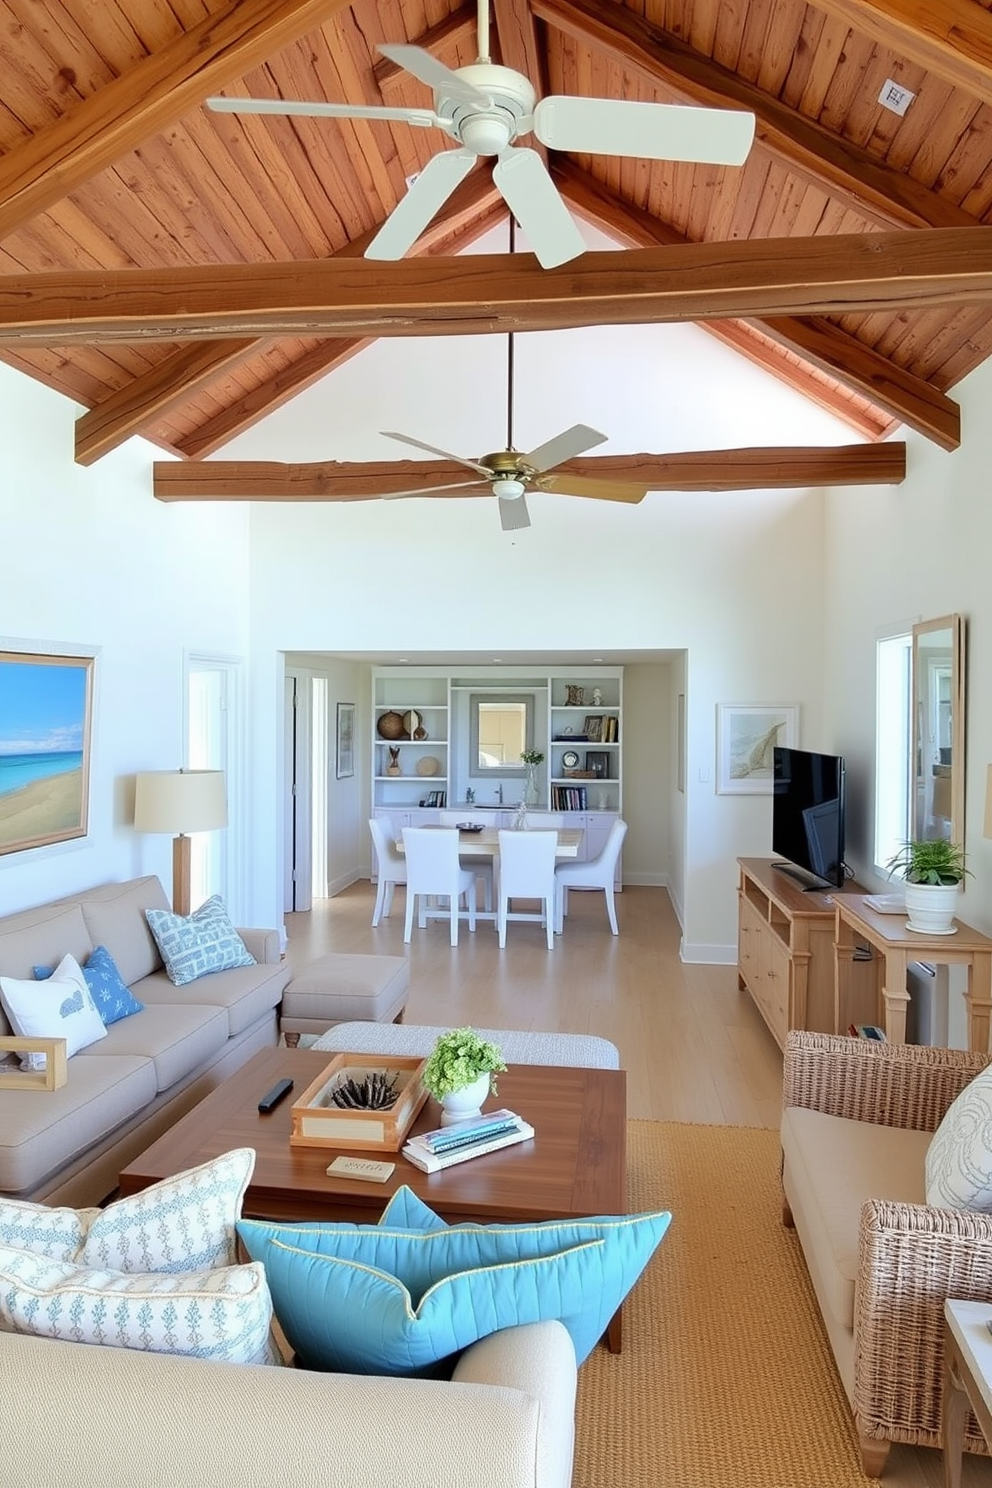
(123, 199)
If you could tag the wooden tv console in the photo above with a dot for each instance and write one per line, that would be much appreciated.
(785, 949)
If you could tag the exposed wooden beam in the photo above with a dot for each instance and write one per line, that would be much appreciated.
(950, 38)
(480, 294)
(152, 94)
(703, 470)
(516, 32)
(138, 405)
(657, 57)
(865, 371)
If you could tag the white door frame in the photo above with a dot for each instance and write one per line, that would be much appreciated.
(232, 736)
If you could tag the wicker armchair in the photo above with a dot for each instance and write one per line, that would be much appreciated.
(911, 1256)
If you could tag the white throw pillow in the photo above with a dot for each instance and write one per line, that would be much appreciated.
(59, 1007)
(185, 1223)
(221, 1314)
(959, 1158)
(58, 1234)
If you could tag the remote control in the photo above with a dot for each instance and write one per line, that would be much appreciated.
(276, 1094)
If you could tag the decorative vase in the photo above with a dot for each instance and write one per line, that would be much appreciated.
(532, 791)
(931, 907)
(459, 1105)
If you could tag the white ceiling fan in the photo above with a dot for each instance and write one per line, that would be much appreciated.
(486, 108)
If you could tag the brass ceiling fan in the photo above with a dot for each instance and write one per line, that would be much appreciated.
(510, 473)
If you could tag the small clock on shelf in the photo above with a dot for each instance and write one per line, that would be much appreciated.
(569, 759)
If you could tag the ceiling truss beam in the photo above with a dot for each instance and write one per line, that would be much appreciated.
(493, 294)
(704, 470)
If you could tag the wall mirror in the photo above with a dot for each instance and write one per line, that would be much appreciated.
(501, 727)
(937, 808)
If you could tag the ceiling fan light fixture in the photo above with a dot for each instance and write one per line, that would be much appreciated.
(508, 489)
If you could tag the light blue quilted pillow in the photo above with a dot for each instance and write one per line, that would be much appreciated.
(108, 989)
(194, 945)
(400, 1296)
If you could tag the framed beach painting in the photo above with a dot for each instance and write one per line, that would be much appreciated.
(746, 735)
(46, 723)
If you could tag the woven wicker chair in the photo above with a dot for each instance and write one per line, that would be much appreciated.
(911, 1256)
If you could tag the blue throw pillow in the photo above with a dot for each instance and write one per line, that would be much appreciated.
(398, 1297)
(194, 945)
(108, 989)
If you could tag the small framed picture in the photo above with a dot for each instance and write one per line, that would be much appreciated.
(346, 740)
(593, 727)
(597, 760)
(746, 735)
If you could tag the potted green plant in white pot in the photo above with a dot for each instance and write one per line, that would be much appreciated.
(933, 873)
(460, 1073)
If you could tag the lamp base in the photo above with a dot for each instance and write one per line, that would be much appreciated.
(182, 859)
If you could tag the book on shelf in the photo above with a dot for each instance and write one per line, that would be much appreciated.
(867, 1031)
(418, 1153)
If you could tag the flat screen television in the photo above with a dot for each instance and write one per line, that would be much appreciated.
(808, 815)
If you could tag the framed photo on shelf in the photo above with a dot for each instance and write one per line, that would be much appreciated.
(46, 729)
(345, 756)
(597, 760)
(593, 727)
(746, 735)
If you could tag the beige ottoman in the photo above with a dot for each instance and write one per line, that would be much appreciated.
(340, 988)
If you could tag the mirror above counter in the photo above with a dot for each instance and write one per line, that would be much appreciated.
(938, 693)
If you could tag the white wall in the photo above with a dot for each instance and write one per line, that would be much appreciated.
(732, 578)
(89, 558)
(914, 552)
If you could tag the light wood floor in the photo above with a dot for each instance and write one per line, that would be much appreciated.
(693, 1045)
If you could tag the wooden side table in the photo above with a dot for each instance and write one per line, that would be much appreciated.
(895, 947)
(967, 1379)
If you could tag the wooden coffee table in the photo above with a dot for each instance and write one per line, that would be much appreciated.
(575, 1166)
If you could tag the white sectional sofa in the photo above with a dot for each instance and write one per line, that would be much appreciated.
(68, 1145)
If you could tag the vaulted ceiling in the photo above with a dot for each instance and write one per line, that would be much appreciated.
(180, 273)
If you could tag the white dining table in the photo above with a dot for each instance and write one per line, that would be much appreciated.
(485, 844)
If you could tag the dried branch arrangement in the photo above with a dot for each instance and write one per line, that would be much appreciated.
(377, 1092)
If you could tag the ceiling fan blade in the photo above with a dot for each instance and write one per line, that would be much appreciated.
(431, 490)
(648, 131)
(429, 70)
(425, 198)
(563, 447)
(513, 514)
(587, 485)
(522, 179)
(432, 449)
(422, 118)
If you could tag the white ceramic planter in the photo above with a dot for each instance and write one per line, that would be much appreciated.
(461, 1104)
(932, 907)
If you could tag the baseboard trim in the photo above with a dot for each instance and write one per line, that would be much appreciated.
(701, 954)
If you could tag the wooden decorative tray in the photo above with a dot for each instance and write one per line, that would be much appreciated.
(318, 1123)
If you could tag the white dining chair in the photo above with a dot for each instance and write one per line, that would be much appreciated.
(527, 871)
(391, 867)
(482, 863)
(432, 868)
(598, 873)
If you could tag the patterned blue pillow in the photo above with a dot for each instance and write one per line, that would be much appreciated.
(199, 943)
(400, 1296)
(108, 989)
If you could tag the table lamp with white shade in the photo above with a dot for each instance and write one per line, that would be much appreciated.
(180, 801)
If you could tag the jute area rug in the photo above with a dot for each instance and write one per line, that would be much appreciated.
(726, 1379)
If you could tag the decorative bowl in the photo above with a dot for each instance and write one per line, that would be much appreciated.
(390, 726)
(470, 826)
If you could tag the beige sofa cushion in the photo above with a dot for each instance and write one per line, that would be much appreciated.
(115, 917)
(245, 993)
(41, 937)
(835, 1165)
(176, 1039)
(42, 1130)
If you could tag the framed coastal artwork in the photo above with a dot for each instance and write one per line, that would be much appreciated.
(746, 735)
(46, 724)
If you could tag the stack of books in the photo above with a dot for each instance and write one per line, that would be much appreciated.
(447, 1145)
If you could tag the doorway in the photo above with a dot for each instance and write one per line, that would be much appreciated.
(214, 735)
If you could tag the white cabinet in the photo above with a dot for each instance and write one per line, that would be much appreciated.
(586, 711)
